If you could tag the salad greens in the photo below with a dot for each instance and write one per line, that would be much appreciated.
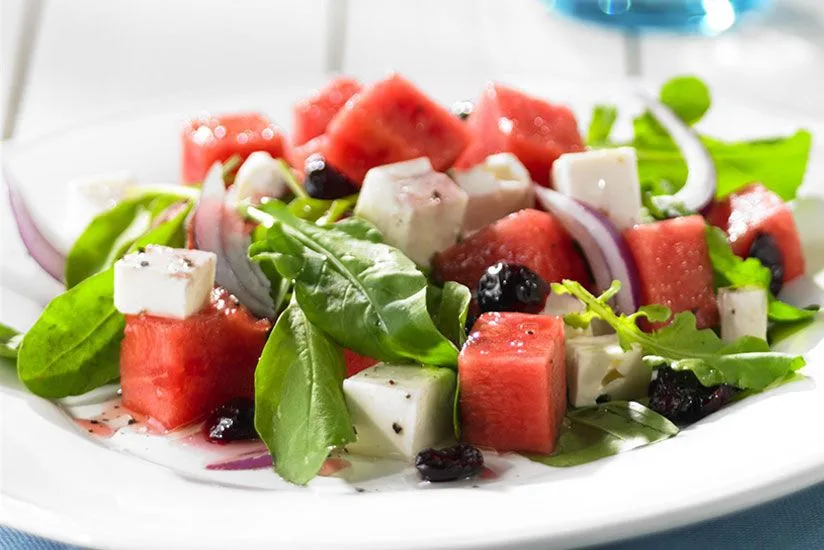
(449, 307)
(730, 270)
(74, 346)
(592, 433)
(300, 412)
(365, 294)
(779, 163)
(746, 363)
(9, 342)
(110, 234)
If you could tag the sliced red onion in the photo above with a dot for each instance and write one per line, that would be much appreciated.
(218, 229)
(603, 246)
(249, 461)
(701, 184)
(40, 248)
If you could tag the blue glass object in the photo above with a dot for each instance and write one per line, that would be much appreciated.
(690, 16)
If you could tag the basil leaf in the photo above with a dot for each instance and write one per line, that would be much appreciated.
(366, 295)
(746, 363)
(600, 127)
(74, 346)
(592, 433)
(9, 342)
(449, 307)
(300, 411)
(171, 233)
(687, 96)
(111, 233)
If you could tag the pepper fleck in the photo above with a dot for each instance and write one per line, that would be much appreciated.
(144, 263)
(94, 422)
(90, 431)
(397, 427)
(409, 396)
(391, 382)
(132, 421)
(360, 489)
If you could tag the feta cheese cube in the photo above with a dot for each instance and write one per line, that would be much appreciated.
(89, 196)
(398, 410)
(259, 176)
(497, 187)
(606, 179)
(598, 366)
(418, 210)
(743, 312)
(163, 281)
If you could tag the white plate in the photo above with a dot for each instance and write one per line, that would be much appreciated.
(154, 492)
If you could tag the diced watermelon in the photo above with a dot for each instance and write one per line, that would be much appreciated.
(312, 115)
(513, 382)
(753, 211)
(356, 362)
(177, 371)
(529, 237)
(296, 155)
(674, 267)
(508, 120)
(211, 139)
(392, 121)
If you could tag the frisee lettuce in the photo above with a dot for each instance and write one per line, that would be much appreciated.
(746, 363)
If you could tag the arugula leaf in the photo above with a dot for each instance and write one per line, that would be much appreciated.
(74, 346)
(730, 270)
(9, 342)
(600, 127)
(448, 307)
(592, 433)
(746, 363)
(300, 411)
(321, 211)
(365, 294)
(111, 233)
(779, 163)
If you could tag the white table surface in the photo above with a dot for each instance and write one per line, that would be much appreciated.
(99, 56)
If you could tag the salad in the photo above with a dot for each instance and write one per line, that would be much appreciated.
(399, 280)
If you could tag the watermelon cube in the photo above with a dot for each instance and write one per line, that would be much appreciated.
(355, 362)
(177, 371)
(529, 237)
(512, 377)
(211, 139)
(392, 121)
(296, 155)
(312, 115)
(753, 211)
(674, 267)
(537, 132)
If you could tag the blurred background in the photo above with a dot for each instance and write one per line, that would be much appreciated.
(67, 61)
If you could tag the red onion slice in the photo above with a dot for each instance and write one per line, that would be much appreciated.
(249, 461)
(702, 181)
(216, 230)
(40, 248)
(603, 246)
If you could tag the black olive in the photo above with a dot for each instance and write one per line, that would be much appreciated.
(323, 181)
(232, 421)
(457, 462)
(511, 287)
(766, 249)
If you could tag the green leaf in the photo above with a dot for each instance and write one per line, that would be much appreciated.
(782, 312)
(456, 412)
(366, 295)
(300, 411)
(747, 363)
(687, 96)
(600, 127)
(449, 307)
(9, 342)
(592, 433)
(171, 233)
(74, 346)
(111, 233)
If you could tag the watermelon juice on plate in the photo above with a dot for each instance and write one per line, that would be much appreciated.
(411, 284)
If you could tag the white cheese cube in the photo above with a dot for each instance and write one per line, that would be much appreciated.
(598, 366)
(163, 281)
(418, 210)
(497, 187)
(259, 176)
(89, 196)
(605, 179)
(399, 410)
(743, 312)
